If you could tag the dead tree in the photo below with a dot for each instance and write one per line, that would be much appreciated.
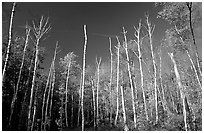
(39, 31)
(137, 35)
(97, 90)
(150, 30)
(117, 79)
(19, 75)
(130, 77)
(111, 71)
(83, 77)
(9, 39)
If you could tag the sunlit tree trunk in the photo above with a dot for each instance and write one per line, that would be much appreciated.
(38, 32)
(137, 35)
(181, 89)
(111, 71)
(53, 80)
(130, 78)
(44, 96)
(79, 103)
(66, 89)
(9, 39)
(123, 105)
(94, 104)
(150, 30)
(117, 79)
(19, 75)
(25, 96)
(97, 90)
(83, 77)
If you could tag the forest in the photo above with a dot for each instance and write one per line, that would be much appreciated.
(128, 92)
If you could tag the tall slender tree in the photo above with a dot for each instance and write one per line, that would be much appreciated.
(19, 75)
(150, 30)
(181, 88)
(97, 90)
(129, 74)
(111, 71)
(83, 77)
(117, 79)
(39, 31)
(9, 39)
(137, 35)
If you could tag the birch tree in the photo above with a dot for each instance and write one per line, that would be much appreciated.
(83, 77)
(111, 71)
(97, 90)
(9, 39)
(181, 89)
(19, 75)
(38, 31)
(129, 74)
(137, 35)
(117, 79)
(150, 30)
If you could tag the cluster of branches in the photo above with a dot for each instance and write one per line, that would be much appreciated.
(131, 91)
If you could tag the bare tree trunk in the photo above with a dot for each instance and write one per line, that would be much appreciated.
(111, 71)
(34, 110)
(38, 32)
(137, 35)
(117, 78)
(24, 97)
(150, 30)
(130, 79)
(190, 5)
(66, 88)
(97, 90)
(94, 104)
(44, 96)
(83, 77)
(72, 110)
(9, 39)
(19, 75)
(46, 122)
(181, 89)
(53, 81)
(32, 88)
(79, 107)
(123, 106)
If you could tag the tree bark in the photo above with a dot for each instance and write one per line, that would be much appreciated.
(9, 39)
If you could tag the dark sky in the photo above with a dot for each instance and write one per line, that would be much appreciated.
(102, 20)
